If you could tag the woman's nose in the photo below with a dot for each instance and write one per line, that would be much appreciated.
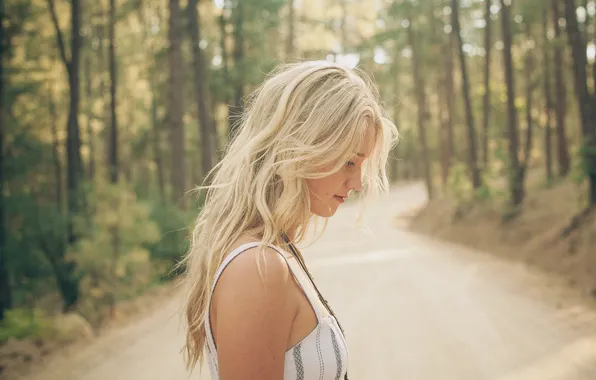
(355, 181)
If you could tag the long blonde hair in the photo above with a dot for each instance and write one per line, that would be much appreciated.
(305, 121)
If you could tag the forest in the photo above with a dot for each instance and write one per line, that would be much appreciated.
(112, 111)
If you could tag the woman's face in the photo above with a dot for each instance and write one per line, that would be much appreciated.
(327, 193)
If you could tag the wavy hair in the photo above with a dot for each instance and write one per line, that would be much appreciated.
(304, 121)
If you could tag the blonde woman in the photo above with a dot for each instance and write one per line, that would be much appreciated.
(312, 133)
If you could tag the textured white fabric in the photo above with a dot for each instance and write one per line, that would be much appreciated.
(321, 355)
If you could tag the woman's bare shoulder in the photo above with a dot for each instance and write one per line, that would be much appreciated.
(255, 266)
(253, 312)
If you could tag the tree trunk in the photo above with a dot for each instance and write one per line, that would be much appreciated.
(64, 273)
(205, 120)
(68, 284)
(113, 162)
(5, 291)
(422, 111)
(548, 99)
(472, 150)
(449, 96)
(73, 141)
(73, 146)
(150, 140)
(563, 159)
(239, 67)
(176, 104)
(530, 87)
(587, 100)
(437, 42)
(515, 184)
(101, 68)
(486, 97)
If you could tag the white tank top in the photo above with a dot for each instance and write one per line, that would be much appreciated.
(321, 355)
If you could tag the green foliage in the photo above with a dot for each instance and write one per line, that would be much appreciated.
(35, 235)
(23, 323)
(458, 183)
(260, 17)
(129, 239)
(112, 254)
(459, 186)
(112, 257)
(173, 243)
(587, 156)
(483, 193)
(580, 169)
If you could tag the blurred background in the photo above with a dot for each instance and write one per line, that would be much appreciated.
(112, 110)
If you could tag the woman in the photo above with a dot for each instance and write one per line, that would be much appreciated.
(309, 136)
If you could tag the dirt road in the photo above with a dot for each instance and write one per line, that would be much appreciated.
(413, 308)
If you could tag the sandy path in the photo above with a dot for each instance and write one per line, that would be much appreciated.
(413, 308)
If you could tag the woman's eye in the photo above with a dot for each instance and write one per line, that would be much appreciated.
(350, 164)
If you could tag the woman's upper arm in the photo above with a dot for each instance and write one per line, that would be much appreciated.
(253, 317)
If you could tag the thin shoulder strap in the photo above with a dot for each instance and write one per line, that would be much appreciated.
(231, 256)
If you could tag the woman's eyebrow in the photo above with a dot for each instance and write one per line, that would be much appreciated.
(360, 154)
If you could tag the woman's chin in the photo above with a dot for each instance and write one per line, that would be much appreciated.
(325, 212)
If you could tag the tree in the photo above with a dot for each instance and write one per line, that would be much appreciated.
(586, 98)
(88, 110)
(486, 97)
(113, 146)
(561, 94)
(420, 91)
(206, 128)
(5, 298)
(65, 268)
(448, 98)
(176, 103)
(471, 128)
(548, 105)
(73, 142)
(515, 173)
(531, 85)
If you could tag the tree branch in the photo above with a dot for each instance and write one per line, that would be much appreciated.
(59, 38)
